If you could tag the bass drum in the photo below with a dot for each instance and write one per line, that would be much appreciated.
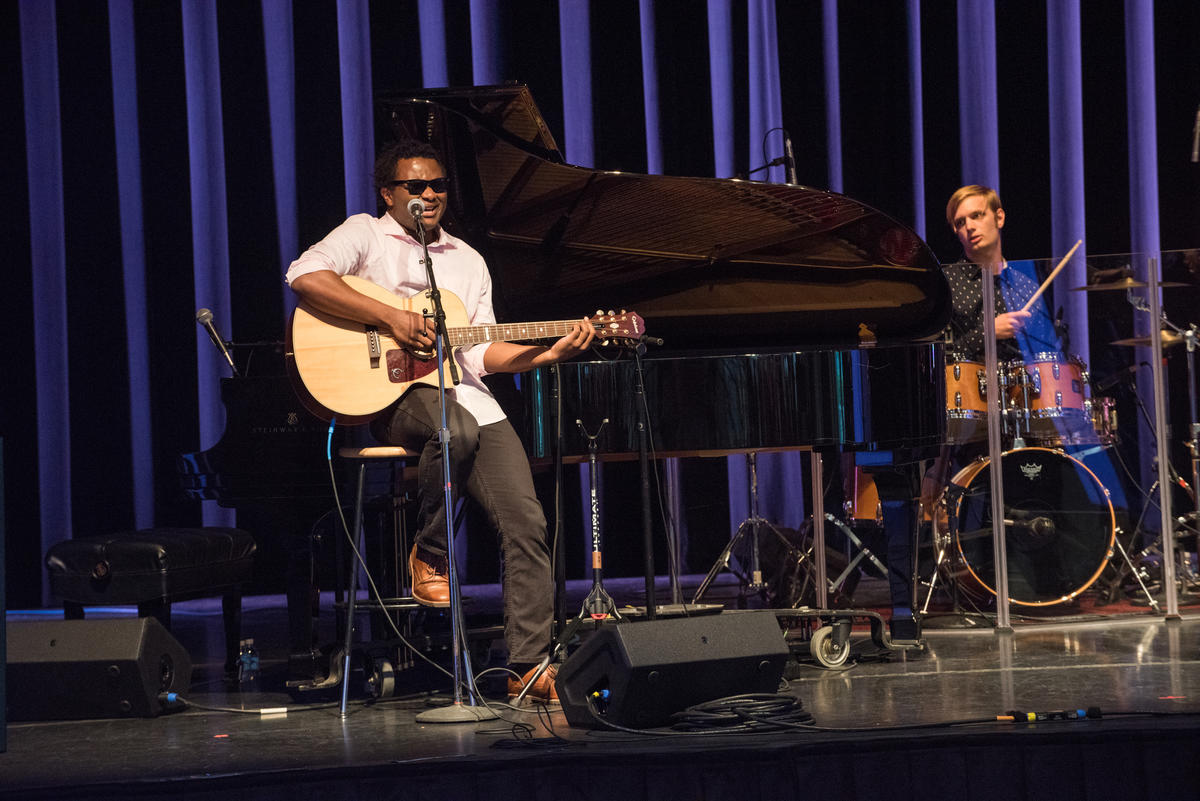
(1059, 527)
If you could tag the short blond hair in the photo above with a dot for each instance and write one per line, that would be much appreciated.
(970, 190)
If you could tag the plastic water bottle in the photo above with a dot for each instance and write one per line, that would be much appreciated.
(247, 666)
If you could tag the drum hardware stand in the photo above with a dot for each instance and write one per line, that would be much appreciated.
(1188, 576)
(1018, 416)
(941, 550)
(750, 527)
(1190, 336)
(864, 552)
(1134, 571)
(1187, 580)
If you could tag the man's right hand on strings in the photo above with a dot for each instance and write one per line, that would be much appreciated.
(413, 331)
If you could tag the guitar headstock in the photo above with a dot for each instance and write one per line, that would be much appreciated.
(621, 325)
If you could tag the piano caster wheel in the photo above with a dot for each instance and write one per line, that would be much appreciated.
(381, 681)
(827, 650)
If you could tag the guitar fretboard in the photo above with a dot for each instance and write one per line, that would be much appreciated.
(509, 332)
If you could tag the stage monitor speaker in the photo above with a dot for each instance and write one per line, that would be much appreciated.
(103, 668)
(639, 674)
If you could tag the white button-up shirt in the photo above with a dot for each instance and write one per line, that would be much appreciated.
(381, 251)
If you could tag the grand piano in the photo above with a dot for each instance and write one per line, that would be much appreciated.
(788, 304)
(790, 317)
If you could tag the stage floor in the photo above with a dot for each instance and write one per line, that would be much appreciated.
(918, 723)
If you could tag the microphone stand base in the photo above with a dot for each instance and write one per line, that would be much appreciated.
(456, 713)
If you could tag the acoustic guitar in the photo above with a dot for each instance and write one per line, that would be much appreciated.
(353, 371)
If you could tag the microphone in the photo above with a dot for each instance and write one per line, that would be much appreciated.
(789, 158)
(1116, 378)
(1196, 139)
(1037, 525)
(416, 207)
(205, 318)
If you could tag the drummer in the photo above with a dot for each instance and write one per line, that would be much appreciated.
(975, 215)
(977, 219)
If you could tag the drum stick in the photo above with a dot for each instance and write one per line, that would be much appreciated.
(1050, 277)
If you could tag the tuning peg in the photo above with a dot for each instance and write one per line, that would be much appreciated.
(610, 312)
(599, 312)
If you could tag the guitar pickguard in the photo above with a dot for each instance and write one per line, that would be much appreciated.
(404, 367)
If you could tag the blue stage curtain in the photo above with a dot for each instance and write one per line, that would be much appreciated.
(766, 107)
(720, 59)
(833, 93)
(280, 51)
(434, 71)
(210, 226)
(1141, 119)
(487, 43)
(575, 40)
(978, 118)
(1068, 217)
(916, 120)
(358, 138)
(650, 101)
(133, 256)
(43, 137)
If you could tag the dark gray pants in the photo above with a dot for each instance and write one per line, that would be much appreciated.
(489, 464)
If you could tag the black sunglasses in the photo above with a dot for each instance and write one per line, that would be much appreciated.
(416, 186)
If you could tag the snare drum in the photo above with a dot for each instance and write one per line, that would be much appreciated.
(1059, 527)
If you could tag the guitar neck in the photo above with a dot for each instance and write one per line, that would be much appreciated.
(508, 332)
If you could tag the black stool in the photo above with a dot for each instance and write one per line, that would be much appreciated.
(153, 568)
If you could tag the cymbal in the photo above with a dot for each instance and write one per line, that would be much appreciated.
(1124, 283)
(1169, 338)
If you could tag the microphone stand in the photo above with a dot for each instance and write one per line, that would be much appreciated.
(1193, 441)
(598, 604)
(560, 553)
(644, 468)
(457, 712)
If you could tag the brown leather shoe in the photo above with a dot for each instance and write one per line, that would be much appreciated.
(543, 690)
(430, 579)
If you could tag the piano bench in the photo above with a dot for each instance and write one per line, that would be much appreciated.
(153, 568)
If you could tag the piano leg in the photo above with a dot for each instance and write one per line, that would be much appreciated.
(899, 488)
(305, 661)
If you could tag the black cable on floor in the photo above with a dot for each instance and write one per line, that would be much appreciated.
(752, 712)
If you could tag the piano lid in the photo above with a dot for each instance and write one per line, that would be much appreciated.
(717, 265)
